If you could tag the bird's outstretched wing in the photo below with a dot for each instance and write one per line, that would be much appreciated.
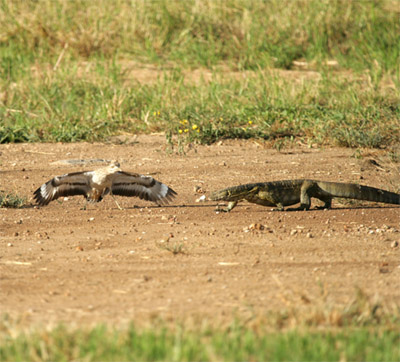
(76, 183)
(144, 187)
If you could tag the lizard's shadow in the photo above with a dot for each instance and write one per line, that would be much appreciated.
(259, 207)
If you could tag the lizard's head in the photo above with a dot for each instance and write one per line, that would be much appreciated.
(219, 195)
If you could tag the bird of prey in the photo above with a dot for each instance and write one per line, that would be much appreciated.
(94, 185)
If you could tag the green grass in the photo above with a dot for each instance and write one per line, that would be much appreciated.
(363, 330)
(61, 81)
(328, 110)
(235, 343)
(174, 248)
(246, 34)
(11, 200)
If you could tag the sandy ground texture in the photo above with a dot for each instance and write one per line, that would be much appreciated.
(184, 260)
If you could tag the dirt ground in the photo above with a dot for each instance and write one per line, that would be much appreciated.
(184, 260)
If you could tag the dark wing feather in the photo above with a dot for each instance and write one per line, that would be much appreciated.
(144, 187)
(76, 183)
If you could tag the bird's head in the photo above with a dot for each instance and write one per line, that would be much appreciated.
(114, 166)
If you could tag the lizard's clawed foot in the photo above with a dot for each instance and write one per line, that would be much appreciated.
(300, 208)
(222, 209)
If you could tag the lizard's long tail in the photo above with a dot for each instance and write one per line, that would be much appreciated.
(359, 192)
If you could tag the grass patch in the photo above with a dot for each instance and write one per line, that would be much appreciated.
(327, 109)
(150, 66)
(363, 330)
(230, 344)
(11, 200)
(175, 248)
(246, 34)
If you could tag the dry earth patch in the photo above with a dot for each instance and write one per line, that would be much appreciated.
(184, 261)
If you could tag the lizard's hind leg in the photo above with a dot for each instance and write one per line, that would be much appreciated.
(327, 202)
(305, 195)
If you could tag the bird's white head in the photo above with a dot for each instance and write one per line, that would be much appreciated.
(114, 166)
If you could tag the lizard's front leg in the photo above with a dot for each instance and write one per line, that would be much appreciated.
(230, 206)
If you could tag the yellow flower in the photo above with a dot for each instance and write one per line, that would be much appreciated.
(180, 131)
(186, 130)
(154, 113)
(221, 119)
(195, 126)
(250, 122)
(158, 113)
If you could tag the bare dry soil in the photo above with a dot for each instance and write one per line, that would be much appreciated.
(60, 263)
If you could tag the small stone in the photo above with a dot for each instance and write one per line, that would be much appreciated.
(91, 219)
(256, 261)
(79, 248)
(293, 232)
(10, 244)
(256, 226)
(198, 189)
(309, 235)
(394, 244)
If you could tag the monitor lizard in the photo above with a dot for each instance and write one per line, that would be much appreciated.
(290, 192)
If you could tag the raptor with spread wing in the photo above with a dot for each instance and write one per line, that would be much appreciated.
(94, 185)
